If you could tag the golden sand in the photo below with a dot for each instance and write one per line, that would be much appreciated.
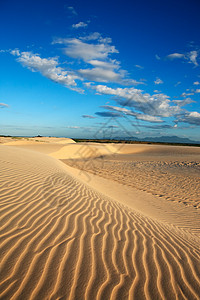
(132, 231)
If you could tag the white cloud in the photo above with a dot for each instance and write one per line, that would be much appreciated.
(79, 25)
(183, 102)
(148, 118)
(100, 75)
(76, 48)
(92, 36)
(191, 118)
(158, 81)
(175, 55)
(3, 105)
(152, 107)
(106, 75)
(187, 94)
(15, 52)
(103, 71)
(157, 105)
(48, 67)
(197, 91)
(138, 116)
(192, 55)
(111, 64)
(196, 83)
(96, 51)
(121, 92)
(116, 108)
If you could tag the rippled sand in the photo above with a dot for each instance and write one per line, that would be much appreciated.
(67, 235)
(175, 180)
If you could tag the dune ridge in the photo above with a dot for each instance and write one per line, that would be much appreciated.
(61, 239)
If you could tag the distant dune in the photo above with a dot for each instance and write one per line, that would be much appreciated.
(70, 234)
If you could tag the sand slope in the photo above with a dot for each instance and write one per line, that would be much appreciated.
(175, 179)
(61, 239)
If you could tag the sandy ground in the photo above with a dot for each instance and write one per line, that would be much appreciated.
(122, 226)
(174, 178)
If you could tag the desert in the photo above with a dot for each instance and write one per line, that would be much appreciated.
(99, 221)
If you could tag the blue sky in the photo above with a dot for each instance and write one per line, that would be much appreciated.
(96, 69)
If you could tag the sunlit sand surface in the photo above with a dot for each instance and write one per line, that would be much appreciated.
(125, 225)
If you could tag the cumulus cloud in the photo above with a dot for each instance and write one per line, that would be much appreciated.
(148, 118)
(152, 107)
(183, 102)
(111, 64)
(155, 105)
(158, 81)
(76, 48)
(190, 117)
(48, 67)
(79, 25)
(138, 116)
(92, 37)
(100, 75)
(96, 51)
(197, 91)
(196, 83)
(3, 105)
(121, 92)
(15, 52)
(88, 116)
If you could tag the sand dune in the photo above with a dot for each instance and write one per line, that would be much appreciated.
(62, 148)
(34, 140)
(63, 239)
(83, 150)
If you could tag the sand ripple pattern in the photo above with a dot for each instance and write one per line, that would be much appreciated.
(62, 240)
(175, 180)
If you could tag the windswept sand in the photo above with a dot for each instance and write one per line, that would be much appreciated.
(70, 234)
